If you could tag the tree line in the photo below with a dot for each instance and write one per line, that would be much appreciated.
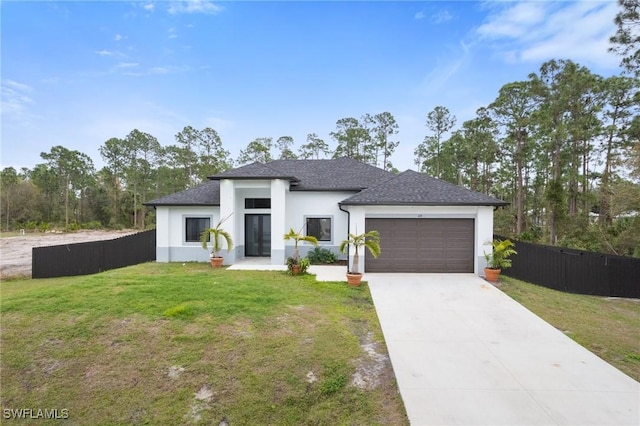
(66, 190)
(561, 146)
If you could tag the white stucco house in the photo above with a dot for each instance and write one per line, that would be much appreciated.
(425, 224)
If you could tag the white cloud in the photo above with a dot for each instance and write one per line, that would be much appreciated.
(159, 70)
(149, 7)
(194, 6)
(104, 52)
(514, 21)
(441, 16)
(436, 18)
(539, 31)
(119, 37)
(172, 33)
(153, 70)
(219, 124)
(127, 65)
(14, 85)
(16, 97)
(437, 79)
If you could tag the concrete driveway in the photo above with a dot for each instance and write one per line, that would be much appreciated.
(464, 353)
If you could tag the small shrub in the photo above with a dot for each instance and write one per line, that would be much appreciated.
(321, 256)
(303, 264)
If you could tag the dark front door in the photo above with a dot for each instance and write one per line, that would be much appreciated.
(257, 235)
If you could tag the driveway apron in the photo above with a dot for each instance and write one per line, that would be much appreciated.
(464, 353)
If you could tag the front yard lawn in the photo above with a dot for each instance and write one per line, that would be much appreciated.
(185, 344)
(608, 327)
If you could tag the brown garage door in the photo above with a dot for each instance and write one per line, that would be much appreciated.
(423, 245)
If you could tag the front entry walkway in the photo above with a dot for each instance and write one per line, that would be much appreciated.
(464, 353)
(322, 272)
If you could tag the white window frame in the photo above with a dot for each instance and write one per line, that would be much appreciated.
(184, 227)
(331, 224)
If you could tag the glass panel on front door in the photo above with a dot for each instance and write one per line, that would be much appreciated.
(257, 235)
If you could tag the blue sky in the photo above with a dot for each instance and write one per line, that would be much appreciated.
(78, 73)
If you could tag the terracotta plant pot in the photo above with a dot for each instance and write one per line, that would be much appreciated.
(216, 262)
(492, 275)
(354, 279)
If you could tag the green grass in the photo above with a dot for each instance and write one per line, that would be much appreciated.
(103, 347)
(608, 327)
(7, 234)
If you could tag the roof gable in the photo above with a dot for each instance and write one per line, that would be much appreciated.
(340, 174)
(254, 171)
(413, 188)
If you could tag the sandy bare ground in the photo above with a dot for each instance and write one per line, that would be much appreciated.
(15, 252)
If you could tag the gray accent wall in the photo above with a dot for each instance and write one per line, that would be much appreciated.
(482, 263)
(162, 254)
(181, 254)
(277, 257)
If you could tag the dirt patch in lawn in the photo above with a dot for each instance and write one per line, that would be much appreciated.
(373, 367)
(15, 252)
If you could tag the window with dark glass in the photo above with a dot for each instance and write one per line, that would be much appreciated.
(319, 227)
(194, 227)
(257, 203)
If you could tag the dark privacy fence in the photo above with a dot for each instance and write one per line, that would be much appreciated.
(92, 257)
(575, 271)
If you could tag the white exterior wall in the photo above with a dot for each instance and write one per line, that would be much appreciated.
(482, 215)
(303, 204)
(279, 192)
(243, 189)
(289, 209)
(227, 201)
(170, 233)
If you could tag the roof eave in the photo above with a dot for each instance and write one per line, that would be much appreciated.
(289, 178)
(181, 204)
(303, 189)
(389, 204)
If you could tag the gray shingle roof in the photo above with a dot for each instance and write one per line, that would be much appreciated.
(205, 194)
(254, 171)
(312, 175)
(340, 174)
(413, 188)
(375, 186)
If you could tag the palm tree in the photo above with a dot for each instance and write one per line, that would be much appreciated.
(297, 237)
(216, 233)
(370, 240)
(499, 256)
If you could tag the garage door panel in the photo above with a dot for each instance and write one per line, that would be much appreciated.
(423, 245)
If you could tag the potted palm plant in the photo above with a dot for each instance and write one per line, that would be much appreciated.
(217, 234)
(294, 265)
(370, 240)
(498, 258)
